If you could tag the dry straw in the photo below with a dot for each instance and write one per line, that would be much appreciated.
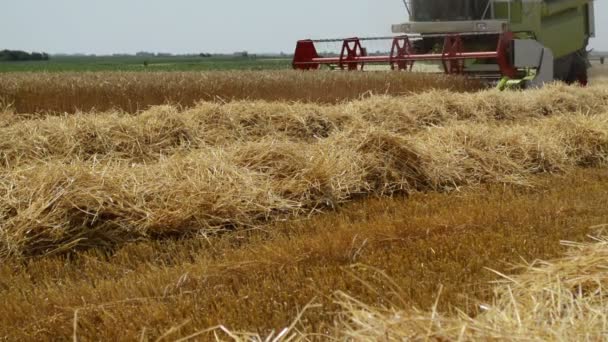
(163, 131)
(564, 300)
(99, 180)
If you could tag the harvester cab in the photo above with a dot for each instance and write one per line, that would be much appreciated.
(524, 43)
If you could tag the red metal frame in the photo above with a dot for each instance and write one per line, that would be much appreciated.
(452, 48)
(353, 56)
(305, 54)
(400, 49)
(351, 51)
(503, 55)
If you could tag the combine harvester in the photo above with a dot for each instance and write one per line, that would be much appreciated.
(508, 43)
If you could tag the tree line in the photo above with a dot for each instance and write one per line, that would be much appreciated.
(17, 55)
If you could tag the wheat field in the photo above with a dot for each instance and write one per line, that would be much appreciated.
(94, 164)
(135, 91)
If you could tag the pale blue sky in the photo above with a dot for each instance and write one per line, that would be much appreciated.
(181, 26)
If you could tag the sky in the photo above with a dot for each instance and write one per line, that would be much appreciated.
(192, 26)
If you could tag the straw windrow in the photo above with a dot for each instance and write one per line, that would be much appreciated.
(49, 205)
(163, 131)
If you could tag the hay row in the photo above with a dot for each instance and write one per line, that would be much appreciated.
(163, 131)
(135, 91)
(564, 300)
(55, 205)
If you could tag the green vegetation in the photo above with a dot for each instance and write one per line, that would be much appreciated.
(20, 56)
(136, 63)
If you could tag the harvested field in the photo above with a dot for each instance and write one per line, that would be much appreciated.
(241, 199)
(135, 91)
(100, 180)
(598, 72)
(259, 280)
(563, 300)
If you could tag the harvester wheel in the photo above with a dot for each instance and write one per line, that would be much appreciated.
(578, 70)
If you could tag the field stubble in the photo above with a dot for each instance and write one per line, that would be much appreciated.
(258, 280)
(559, 300)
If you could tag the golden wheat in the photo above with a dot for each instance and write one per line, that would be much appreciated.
(135, 91)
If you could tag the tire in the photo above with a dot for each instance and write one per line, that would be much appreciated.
(578, 69)
(562, 68)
